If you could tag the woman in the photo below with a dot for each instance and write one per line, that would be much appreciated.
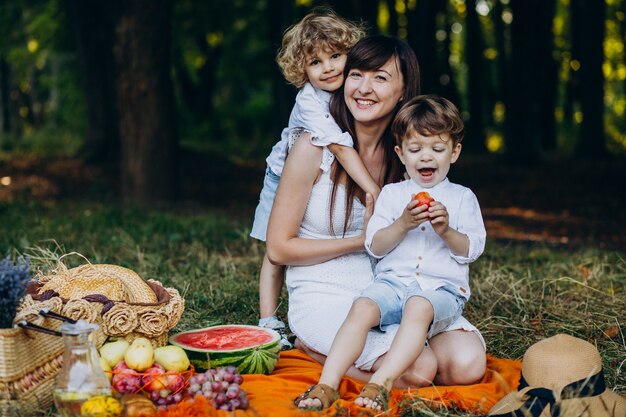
(318, 220)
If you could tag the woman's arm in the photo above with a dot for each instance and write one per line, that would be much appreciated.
(284, 247)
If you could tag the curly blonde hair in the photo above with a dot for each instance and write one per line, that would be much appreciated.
(320, 29)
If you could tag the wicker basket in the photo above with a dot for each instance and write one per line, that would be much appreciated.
(30, 361)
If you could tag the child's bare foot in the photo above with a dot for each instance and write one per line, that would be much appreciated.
(373, 396)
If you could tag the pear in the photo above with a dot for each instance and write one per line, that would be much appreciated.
(106, 368)
(172, 358)
(113, 352)
(140, 355)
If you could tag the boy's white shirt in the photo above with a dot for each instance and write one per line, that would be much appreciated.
(422, 251)
(311, 112)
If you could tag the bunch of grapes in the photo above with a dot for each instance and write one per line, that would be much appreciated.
(165, 397)
(222, 386)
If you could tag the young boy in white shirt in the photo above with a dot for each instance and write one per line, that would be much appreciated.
(422, 278)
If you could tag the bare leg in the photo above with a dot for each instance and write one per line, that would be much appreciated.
(460, 356)
(270, 286)
(407, 346)
(347, 346)
(420, 374)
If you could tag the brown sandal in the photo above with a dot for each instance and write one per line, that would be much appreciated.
(376, 393)
(325, 393)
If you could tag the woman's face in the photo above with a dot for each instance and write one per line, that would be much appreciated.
(371, 96)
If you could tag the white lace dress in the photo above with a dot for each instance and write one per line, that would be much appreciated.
(321, 295)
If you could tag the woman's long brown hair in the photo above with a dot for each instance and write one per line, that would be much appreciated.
(369, 54)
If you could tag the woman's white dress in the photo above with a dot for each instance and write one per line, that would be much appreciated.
(321, 295)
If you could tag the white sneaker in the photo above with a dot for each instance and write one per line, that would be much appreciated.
(276, 324)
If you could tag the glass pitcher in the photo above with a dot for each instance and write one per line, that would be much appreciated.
(82, 388)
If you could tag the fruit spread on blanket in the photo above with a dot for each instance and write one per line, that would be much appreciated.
(163, 376)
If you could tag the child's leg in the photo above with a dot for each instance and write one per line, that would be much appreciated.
(270, 286)
(407, 346)
(347, 346)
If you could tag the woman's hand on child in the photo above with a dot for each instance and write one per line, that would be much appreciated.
(367, 215)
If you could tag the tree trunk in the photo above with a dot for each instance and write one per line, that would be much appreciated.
(5, 104)
(421, 28)
(356, 10)
(93, 24)
(522, 116)
(474, 47)
(149, 163)
(591, 141)
(548, 76)
(280, 16)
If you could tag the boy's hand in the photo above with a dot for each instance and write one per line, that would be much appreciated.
(413, 215)
(438, 215)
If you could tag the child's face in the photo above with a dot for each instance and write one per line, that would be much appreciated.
(428, 158)
(324, 68)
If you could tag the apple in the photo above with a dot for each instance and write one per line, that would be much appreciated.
(153, 379)
(156, 379)
(423, 198)
(125, 380)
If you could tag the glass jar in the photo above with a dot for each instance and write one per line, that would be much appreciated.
(82, 389)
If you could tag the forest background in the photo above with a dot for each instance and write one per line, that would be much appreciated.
(155, 102)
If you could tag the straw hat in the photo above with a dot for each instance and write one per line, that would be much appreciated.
(561, 376)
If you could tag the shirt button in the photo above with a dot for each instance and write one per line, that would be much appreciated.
(423, 228)
(419, 257)
(417, 273)
(463, 290)
(327, 115)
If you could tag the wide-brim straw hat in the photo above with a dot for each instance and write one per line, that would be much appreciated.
(561, 376)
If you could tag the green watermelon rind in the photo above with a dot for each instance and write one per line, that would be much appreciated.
(259, 359)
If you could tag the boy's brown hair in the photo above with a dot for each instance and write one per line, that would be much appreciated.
(428, 115)
(320, 29)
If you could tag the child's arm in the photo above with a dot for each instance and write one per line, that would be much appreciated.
(351, 161)
(457, 242)
(389, 237)
(310, 112)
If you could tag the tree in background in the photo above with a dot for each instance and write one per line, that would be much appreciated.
(93, 24)
(591, 140)
(149, 157)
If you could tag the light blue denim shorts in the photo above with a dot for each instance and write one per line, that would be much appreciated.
(390, 294)
(264, 208)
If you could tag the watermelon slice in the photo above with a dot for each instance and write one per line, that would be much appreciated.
(252, 349)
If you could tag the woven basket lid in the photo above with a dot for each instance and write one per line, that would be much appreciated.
(114, 282)
(136, 289)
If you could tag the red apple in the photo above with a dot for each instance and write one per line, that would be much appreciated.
(175, 382)
(125, 380)
(153, 379)
(423, 198)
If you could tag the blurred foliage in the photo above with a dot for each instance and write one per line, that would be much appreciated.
(226, 79)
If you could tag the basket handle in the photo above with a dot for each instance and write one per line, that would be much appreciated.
(30, 326)
(45, 312)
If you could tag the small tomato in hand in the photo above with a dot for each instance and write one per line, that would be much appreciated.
(423, 198)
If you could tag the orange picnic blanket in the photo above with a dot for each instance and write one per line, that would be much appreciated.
(272, 395)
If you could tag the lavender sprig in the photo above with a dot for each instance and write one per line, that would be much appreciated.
(13, 281)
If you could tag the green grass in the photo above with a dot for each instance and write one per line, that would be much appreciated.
(521, 294)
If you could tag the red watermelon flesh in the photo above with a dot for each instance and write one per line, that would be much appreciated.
(252, 349)
(225, 338)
